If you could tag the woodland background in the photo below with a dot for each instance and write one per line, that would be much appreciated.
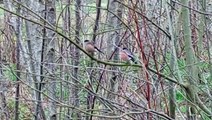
(45, 73)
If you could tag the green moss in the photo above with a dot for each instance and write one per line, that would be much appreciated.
(24, 112)
(10, 72)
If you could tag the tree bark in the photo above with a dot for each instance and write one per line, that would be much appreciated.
(190, 60)
(74, 97)
(173, 63)
(18, 74)
(113, 40)
(49, 38)
(64, 45)
(34, 50)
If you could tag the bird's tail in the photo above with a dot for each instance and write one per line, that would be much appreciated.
(99, 50)
(133, 59)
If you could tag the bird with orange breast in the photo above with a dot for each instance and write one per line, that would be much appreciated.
(90, 47)
(126, 55)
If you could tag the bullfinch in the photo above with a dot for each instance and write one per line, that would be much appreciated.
(126, 55)
(90, 47)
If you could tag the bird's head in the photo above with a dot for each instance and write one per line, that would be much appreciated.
(86, 41)
(125, 48)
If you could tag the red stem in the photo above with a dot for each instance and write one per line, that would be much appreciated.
(140, 43)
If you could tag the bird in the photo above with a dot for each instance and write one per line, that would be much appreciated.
(90, 47)
(126, 55)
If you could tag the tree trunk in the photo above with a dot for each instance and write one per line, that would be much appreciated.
(190, 60)
(34, 47)
(49, 50)
(3, 103)
(113, 40)
(18, 74)
(64, 45)
(74, 97)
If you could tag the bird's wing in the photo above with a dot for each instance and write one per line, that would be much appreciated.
(130, 55)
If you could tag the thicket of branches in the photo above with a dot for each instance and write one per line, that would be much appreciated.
(45, 72)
